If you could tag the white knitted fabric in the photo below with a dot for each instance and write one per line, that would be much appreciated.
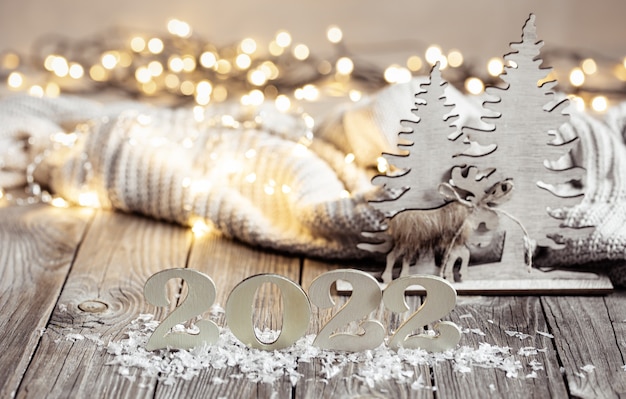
(260, 185)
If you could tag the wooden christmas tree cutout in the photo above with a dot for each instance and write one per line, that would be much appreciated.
(497, 192)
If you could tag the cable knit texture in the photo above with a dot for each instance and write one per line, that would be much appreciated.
(267, 186)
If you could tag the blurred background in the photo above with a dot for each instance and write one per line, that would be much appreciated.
(92, 43)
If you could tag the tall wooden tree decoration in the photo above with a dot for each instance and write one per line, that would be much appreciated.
(529, 148)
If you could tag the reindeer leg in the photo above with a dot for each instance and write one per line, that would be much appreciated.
(452, 255)
(406, 263)
(391, 261)
(464, 254)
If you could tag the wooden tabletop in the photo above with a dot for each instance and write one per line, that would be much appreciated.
(72, 281)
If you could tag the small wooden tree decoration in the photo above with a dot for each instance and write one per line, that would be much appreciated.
(432, 143)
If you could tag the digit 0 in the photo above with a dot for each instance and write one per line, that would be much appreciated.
(240, 308)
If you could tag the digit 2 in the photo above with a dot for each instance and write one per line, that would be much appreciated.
(200, 297)
(440, 300)
(366, 297)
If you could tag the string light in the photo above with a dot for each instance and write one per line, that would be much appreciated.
(174, 64)
(599, 104)
(577, 77)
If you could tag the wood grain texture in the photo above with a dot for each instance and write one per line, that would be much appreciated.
(228, 263)
(494, 316)
(38, 244)
(118, 254)
(584, 335)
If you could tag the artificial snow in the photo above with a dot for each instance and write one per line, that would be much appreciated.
(260, 366)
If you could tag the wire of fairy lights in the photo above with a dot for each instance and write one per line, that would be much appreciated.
(181, 67)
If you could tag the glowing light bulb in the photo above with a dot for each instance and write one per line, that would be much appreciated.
(59, 202)
(282, 103)
(243, 61)
(433, 54)
(137, 44)
(349, 158)
(89, 199)
(577, 101)
(334, 34)
(175, 64)
(36, 91)
(155, 45)
(599, 104)
(248, 46)
(15, 80)
(495, 66)
(344, 66)
(455, 58)
(397, 74)
(76, 71)
(414, 63)
(301, 52)
(109, 60)
(577, 77)
(155, 68)
(589, 66)
(60, 66)
(199, 228)
(474, 85)
(283, 39)
(355, 95)
(208, 59)
(257, 77)
(97, 73)
(179, 28)
(143, 75)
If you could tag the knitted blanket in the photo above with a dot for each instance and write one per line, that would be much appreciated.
(260, 176)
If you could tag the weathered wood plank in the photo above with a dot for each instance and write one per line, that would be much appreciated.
(585, 335)
(103, 294)
(37, 245)
(493, 317)
(345, 383)
(228, 263)
(617, 313)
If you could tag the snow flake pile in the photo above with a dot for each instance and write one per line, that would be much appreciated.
(405, 366)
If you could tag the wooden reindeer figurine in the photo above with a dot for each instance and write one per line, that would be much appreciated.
(446, 231)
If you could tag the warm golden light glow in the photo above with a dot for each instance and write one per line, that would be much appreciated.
(155, 45)
(248, 46)
(98, 73)
(414, 63)
(155, 68)
(243, 61)
(578, 102)
(334, 34)
(344, 66)
(179, 28)
(495, 67)
(455, 58)
(589, 66)
(143, 75)
(301, 52)
(76, 71)
(599, 104)
(433, 54)
(283, 39)
(109, 60)
(36, 91)
(282, 103)
(577, 77)
(137, 44)
(397, 74)
(187, 88)
(208, 59)
(257, 77)
(15, 80)
(10, 61)
(474, 85)
(355, 95)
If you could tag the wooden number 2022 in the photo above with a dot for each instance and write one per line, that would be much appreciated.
(366, 296)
